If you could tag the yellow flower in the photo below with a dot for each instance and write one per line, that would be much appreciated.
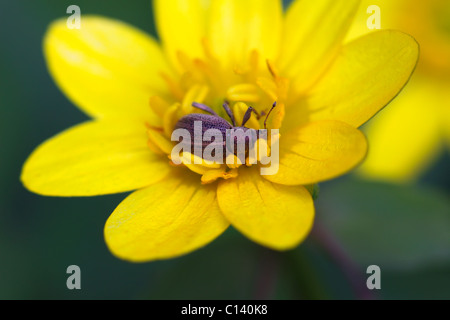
(248, 52)
(408, 136)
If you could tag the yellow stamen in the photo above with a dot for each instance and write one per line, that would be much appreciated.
(233, 162)
(272, 69)
(250, 71)
(243, 92)
(158, 105)
(157, 140)
(196, 93)
(198, 165)
(170, 119)
(152, 146)
(212, 175)
(247, 97)
(189, 158)
(174, 88)
(210, 75)
(269, 87)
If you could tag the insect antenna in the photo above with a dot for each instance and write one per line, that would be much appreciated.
(247, 116)
(204, 108)
(226, 106)
(265, 120)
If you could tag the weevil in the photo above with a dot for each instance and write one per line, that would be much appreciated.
(229, 131)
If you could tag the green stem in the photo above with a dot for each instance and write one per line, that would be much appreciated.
(348, 267)
(268, 275)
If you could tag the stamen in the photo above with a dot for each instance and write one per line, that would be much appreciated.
(269, 87)
(254, 98)
(156, 139)
(244, 92)
(210, 75)
(189, 160)
(208, 51)
(158, 105)
(212, 175)
(174, 88)
(152, 127)
(196, 93)
(232, 161)
(251, 71)
(243, 87)
(282, 83)
(254, 61)
(170, 119)
(153, 147)
(273, 71)
(191, 68)
(185, 61)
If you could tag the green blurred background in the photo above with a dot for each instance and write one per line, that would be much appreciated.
(403, 228)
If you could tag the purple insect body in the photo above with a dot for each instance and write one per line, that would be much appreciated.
(229, 131)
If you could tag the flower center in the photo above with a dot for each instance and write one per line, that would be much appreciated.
(205, 82)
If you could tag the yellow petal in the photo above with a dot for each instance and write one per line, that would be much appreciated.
(107, 67)
(366, 76)
(313, 33)
(236, 27)
(446, 119)
(276, 216)
(426, 21)
(94, 158)
(318, 151)
(390, 12)
(181, 26)
(406, 137)
(165, 220)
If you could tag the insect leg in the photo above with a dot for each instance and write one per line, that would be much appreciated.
(258, 116)
(203, 107)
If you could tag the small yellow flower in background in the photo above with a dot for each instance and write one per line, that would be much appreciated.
(406, 137)
(247, 52)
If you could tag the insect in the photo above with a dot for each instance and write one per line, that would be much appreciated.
(232, 135)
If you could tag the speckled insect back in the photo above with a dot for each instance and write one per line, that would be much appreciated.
(232, 135)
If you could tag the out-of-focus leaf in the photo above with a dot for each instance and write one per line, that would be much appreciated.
(311, 275)
(234, 267)
(427, 283)
(397, 227)
(228, 267)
